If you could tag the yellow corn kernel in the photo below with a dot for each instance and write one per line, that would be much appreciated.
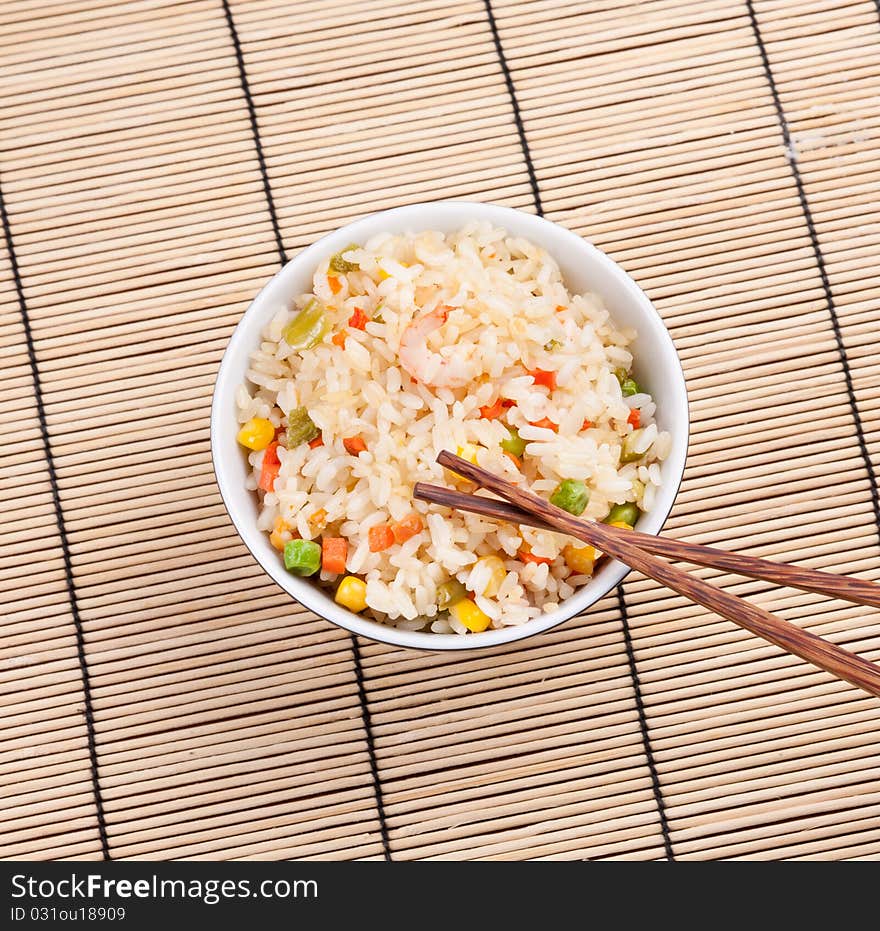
(467, 613)
(256, 434)
(318, 520)
(499, 574)
(468, 451)
(621, 523)
(280, 534)
(383, 274)
(579, 559)
(352, 593)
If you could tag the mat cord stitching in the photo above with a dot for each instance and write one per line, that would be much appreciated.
(820, 263)
(358, 667)
(517, 116)
(643, 726)
(371, 746)
(62, 533)
(630, 653)
(252, 112)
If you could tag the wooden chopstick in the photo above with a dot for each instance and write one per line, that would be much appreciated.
(617, 543)
(859, 591)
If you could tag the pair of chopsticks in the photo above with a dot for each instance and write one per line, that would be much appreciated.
(640, 551)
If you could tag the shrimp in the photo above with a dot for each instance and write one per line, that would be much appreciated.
(427, 367)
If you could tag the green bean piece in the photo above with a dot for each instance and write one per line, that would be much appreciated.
(628, 385)
(514, 444)
(450, 593)
(628, 452)
(308, 327)
(300, 427)
(341, 265)
(571, 495)
(626, 512)
(302, 557)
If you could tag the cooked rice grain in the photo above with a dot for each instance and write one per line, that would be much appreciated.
(496, 300)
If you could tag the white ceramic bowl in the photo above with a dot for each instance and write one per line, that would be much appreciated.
(584, 268)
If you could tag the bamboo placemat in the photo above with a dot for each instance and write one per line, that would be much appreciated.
(158, 159)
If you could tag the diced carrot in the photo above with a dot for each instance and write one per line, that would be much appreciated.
(526, 555)
(339, 339)
(635, 418)
(560, 308)
(587, 424)
(380, 538)
(316, 442)
(404, 529)
(335, 284)
(492, 411)
(546, 423)
(358, 320)
(270, 468)
(354, 445)
(506, 402)
(514, 460)
(334, 551)
(547, 379)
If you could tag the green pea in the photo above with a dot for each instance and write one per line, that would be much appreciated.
(302, 557)
(300, 427)
(514, 444)
(450, 593)
(341, 265)
(308, 327)
(571, 495)
(626, 512)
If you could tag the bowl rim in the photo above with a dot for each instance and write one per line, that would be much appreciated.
(301, 589)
